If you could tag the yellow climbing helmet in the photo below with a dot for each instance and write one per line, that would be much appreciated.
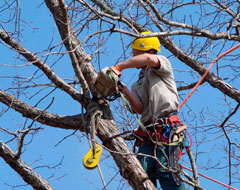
(146, 44)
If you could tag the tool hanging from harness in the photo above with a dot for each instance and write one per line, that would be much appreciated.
(166, 131)
(163, 131)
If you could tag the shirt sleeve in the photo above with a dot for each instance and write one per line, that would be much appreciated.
(134, 91)
(165, 66)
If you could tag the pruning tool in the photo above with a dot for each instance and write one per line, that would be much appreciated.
(107, 81)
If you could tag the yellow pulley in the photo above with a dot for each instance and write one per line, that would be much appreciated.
(91, 159)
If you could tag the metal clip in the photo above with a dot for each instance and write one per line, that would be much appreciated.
(167, 130)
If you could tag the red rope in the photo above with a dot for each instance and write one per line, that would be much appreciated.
(210, 178)
(206, 72)
(190, 94)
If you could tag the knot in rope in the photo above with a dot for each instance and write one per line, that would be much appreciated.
(92, 118)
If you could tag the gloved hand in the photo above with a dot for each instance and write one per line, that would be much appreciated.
(122, 87)
(116, 70)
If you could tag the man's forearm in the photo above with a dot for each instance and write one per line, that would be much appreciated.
(139, 61)
(136, 105)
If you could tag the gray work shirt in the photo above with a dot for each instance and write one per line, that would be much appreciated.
(156, 89)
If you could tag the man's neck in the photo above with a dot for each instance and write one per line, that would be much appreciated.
(143, 69)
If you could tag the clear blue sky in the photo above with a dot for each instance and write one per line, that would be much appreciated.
(43, 151)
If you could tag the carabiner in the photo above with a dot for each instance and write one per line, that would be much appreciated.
(167, 132)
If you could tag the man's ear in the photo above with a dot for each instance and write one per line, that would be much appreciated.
(151, 51)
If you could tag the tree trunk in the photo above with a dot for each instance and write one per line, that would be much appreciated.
(127, 162)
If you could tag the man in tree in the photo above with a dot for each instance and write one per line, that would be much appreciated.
(154, 95)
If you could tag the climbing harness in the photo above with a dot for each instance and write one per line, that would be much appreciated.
(167, 131)
(158, 133)
(169, 136)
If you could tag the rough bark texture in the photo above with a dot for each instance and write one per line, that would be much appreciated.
(27, 174)
(127, 162)
(44, 117)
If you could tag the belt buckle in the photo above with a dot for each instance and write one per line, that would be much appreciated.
(157, 122)
(160, 121)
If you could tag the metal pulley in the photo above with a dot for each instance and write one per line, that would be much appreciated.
(91, 159)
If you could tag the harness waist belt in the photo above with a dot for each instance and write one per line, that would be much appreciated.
(146, 124)
(159, 130)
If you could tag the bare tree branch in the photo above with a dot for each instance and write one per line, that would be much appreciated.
(190, 38)
(41, 65)
(64, 122)
(28, 175)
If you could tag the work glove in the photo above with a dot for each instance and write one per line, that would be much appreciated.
(116, 70)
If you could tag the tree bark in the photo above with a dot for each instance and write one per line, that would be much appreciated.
(27, 173)
(127, 162)
(44, 117)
